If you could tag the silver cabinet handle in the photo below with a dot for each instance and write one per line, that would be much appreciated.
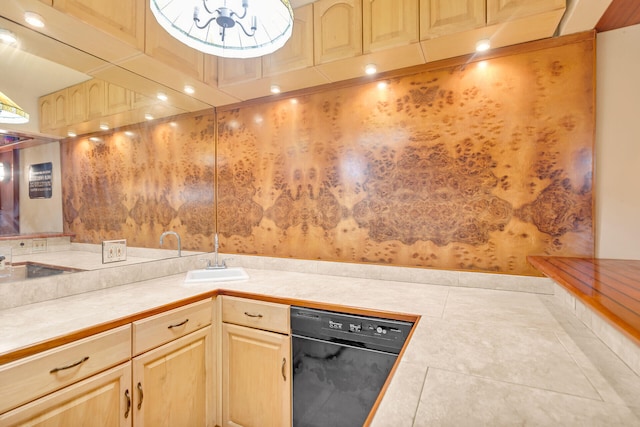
(62, 368)
(128, 397)
(284, 363)
(177, 325)
(252, 315)
(141, 394)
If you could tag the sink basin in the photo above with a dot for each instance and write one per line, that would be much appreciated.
(216, 275)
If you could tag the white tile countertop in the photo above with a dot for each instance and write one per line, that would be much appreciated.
(478, 356)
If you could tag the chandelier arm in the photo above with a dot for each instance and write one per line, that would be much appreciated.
(243, 14)
(204, 3)
(245, 31)
(196, 21)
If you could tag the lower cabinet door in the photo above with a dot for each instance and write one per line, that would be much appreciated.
(102, 400)
(256, 377)
(173, 385)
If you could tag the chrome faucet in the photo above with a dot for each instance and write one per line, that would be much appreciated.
(177, 237)
(216, 265)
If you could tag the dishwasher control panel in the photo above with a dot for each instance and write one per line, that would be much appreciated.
(363, 331)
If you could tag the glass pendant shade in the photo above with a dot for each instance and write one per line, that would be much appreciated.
(227, 28)
(10, 112)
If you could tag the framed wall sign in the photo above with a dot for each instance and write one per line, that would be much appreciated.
(40, 177)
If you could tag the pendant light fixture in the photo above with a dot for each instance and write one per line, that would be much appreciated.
(227, 28)
(10, 112)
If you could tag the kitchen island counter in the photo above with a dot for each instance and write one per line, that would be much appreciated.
(477, 356)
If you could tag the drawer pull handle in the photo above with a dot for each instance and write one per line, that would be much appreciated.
(284, 362)
(126, 412)
(141, 394)
(79, 362)
(177, 325)
(252, 315)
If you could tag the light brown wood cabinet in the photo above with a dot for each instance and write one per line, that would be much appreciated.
(443, 17)
(92, 101)
(173, 385)
(123, 19)
(297, 53)
(104, 397)
(173, 368)
(159, 44)
(170, 381)
(389, 23)
(506, 10)
(337, 26)
(256, 370)
(53, 111)
(77, 103)
(70, 383)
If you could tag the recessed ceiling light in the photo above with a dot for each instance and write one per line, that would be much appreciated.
(162, 96)
(371, 69)
(483, 45)
(7, 37)
(148, 116)
(190, 90)
(275, 89)
(71, 134)
(104, 126)
(34, 19)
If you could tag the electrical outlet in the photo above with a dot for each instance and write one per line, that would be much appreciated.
(114, 250)
(39, 245)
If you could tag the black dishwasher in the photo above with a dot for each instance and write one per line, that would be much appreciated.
(340, 363)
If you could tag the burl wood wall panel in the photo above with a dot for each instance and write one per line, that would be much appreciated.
(466, 168)
(469, 168)
(136, 187)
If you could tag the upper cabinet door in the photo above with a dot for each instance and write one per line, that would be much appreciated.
(505, 10)
(123, 19)
(76, 104)
(389, 23)
(159, 44)
(443, 17)
(53, 111)
(337, 27)
(297, 53)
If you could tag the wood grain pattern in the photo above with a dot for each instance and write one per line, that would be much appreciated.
(610, 287)
(620, 13)
(462, 168)
(136, 187)
(469, 167)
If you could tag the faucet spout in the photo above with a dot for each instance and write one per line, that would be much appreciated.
(216, 264)
(177, 237)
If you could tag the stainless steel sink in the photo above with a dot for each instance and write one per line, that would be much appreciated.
(216, 275)
(32, 270)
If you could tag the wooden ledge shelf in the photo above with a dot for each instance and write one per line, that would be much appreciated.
(610, 287)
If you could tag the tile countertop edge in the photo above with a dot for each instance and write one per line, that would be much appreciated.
(49, 294)
(81, 315)
(77, 317)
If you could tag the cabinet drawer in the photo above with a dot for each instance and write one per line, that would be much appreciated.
(256, 314)
(164, 327)
(32, 377)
